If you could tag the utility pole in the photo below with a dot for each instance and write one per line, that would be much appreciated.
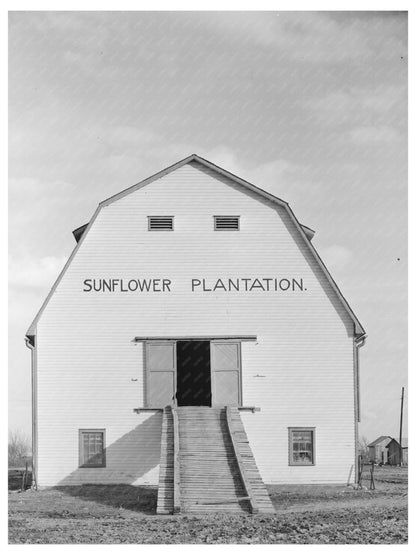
(401, 425)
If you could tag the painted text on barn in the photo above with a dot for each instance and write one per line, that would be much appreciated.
(165, 285)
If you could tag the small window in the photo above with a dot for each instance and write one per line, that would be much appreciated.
(301, 446)
(160, 223)
(91, 448)
(227, 223)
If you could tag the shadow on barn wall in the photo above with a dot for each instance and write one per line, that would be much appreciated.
(128, 459)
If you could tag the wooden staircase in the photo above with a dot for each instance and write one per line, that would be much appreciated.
(209, 475)
(207, 465)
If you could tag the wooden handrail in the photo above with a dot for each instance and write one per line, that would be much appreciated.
(246, 482)
(176, 464)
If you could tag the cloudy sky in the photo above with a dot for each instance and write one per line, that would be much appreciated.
(310, 106)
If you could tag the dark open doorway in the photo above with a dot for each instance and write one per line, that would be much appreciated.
(193, 383)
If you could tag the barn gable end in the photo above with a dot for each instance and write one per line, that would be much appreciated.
(255, 298)
(305, 232)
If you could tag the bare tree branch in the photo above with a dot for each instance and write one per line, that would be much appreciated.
(19, 448)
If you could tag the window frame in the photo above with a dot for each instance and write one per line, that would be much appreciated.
(225, 228)
(82, 463)
(292, 429)
(149, 218)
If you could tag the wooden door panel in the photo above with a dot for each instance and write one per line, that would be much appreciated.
(225, 356)
(161, 389)
(225, 367)
(226, 388)
(160, 357)
(160, 373)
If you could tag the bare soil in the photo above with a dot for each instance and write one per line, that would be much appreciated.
(97, 514)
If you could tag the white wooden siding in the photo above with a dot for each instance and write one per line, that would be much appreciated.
(90, 370)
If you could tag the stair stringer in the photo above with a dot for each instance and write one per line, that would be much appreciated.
(165, 492)
(255, 485)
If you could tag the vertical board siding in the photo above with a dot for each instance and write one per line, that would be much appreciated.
(90, 370)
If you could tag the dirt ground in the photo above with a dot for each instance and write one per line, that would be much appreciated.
(126, 514)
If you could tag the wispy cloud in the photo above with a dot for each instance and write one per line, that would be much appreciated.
(311, 37)
(374, 135)
(382, 98)
(336, 257)
(225, 157)
(358, 104)
(306, 37)
(276, 176)
(30, 273)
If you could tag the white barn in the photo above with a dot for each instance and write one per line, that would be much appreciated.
(193, 288)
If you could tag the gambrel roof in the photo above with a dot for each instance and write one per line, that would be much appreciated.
(304, 231)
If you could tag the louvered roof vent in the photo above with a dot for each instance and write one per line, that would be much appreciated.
(229, 223)
(160, 223)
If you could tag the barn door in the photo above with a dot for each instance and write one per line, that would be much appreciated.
(225, 369)
(160, 374)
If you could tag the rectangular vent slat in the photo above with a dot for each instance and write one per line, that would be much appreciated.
(157, 223)
(227, 222)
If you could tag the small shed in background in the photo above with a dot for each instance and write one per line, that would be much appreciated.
(384, 450)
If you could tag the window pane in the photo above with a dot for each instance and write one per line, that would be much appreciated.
(301, 446)
(302, 435)
(96, 459)
(92, 448)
